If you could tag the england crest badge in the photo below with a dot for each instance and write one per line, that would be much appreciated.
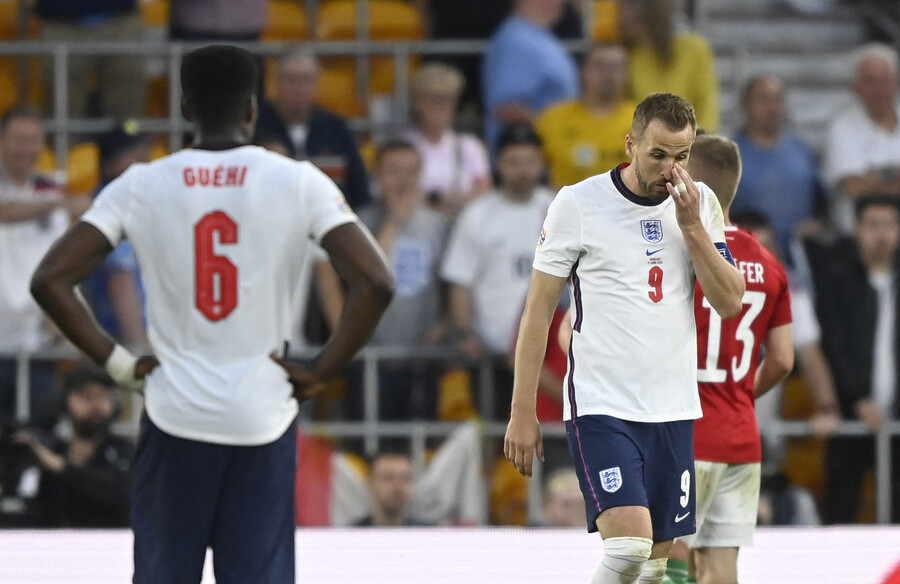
(611, 479)
(651, 229)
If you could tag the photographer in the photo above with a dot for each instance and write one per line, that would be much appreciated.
(84, 481)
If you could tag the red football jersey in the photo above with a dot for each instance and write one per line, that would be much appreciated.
(728, 352)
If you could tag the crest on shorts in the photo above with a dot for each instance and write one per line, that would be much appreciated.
(651, 229)
(611, 479)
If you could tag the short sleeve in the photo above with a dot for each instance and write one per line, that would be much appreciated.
(711, 214)
(326, 205)
(475, 157)
(781, 313)
(109, 211)
(844, 155)
(460, 264)
(559, 244)
(806, 326)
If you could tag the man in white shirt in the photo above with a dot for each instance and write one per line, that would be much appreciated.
(862, 154)
(630, 243)
(221, 232)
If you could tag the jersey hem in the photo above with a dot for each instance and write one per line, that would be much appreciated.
(259, 439)
(632, 416)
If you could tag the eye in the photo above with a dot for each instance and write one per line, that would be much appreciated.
(658, 155)
(682, 156)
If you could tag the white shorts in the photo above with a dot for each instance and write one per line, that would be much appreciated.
(727, 503)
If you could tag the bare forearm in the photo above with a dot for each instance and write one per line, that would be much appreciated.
(873, 182)
(817, 373)
(768, 375)
(723, 285)
(529, 359)
(460, 301)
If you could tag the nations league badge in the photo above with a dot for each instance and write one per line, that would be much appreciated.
(651, 229)
(611, 479)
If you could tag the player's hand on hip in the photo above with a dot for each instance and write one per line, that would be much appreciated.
(306, 385)
(523, 440)
(145, 365)
(687, 198)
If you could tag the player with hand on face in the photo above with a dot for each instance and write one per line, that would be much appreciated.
(221, 232)
(630, 243)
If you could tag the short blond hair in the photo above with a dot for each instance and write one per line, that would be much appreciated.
(439, 75)
(716, 161)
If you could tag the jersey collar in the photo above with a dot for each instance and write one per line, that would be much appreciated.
(626, 192)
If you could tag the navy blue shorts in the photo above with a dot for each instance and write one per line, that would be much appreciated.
(621, 463)
(237, 500)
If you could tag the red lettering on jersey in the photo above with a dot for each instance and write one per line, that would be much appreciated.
(189, 178)
(219, 177)
(243, 175)
(232, 177)
(203, 175)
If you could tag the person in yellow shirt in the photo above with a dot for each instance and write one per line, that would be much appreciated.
(665, 60)
(583, 137)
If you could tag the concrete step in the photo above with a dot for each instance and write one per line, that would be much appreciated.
(790, 33)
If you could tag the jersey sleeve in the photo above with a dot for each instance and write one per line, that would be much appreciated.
(559, 245)
(110, 209)
(460, 265)
(326, 205)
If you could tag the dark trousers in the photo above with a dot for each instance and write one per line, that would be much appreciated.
(237, 500)
(847, 460)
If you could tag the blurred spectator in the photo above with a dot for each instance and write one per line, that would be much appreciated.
(862, 154)
(119, 79)
(455, 166)
(586, 136)
(217, 20)
(413, 236)
(391, 489)
(781, 175)
(114, 290)
(525, 68)
(783, 503)
(85, 480)
(310, 132)
(663, 59)
(857, 303)
(488, 259)
(563, 504)
(33, 213)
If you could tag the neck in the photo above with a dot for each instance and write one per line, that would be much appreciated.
(762, 137)
(533, 13)
(382, 517)
(432, 133)
(629, 177)
(221, 137)
(887, 119)
(878, 264)
(517, 194)
(18, 177)
(601, 104)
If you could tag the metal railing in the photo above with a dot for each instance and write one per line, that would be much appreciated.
(371, 430)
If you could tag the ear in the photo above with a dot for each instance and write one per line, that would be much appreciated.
(252, 110)
(186, 110)
(629, 146)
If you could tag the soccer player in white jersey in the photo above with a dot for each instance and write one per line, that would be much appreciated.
(221, 231)
(630, 243)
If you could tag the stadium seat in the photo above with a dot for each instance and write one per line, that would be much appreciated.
(508, 494)
(388, 20)
(10, 25)
(155, 13)
(337, 89)
(83, 168)
(605, 22)
(285, 21)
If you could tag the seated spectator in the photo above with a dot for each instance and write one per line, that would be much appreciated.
(585, 136)
(563, 504)
(783, 503)
(120, 78)
(781, 175)
(663, 59)
(862, 153)
(310, 132)
(114, 290)
(391, 489)
(855, 282)
(413, 236)
(33, 213)
(526, 68)
(455, 167)
(488, 258)
(85, 480)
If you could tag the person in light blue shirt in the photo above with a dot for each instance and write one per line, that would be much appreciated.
(526, 68)
(781, 174)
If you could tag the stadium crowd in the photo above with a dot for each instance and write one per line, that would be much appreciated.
(456, 201)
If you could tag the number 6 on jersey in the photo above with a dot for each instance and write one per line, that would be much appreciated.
(215, 277)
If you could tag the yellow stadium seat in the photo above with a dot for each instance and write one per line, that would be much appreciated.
(605, 22)
(83, 168)
(47, 162)
(285, 21)
(508, 496)
(157, 99)
(155, 13)
(337, 88)
(9, 22)
(388, 20)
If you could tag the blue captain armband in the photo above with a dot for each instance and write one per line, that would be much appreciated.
(722, 247)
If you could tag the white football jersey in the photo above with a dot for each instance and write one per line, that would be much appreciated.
(633, 353)
(490, 252)
(221, 238)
